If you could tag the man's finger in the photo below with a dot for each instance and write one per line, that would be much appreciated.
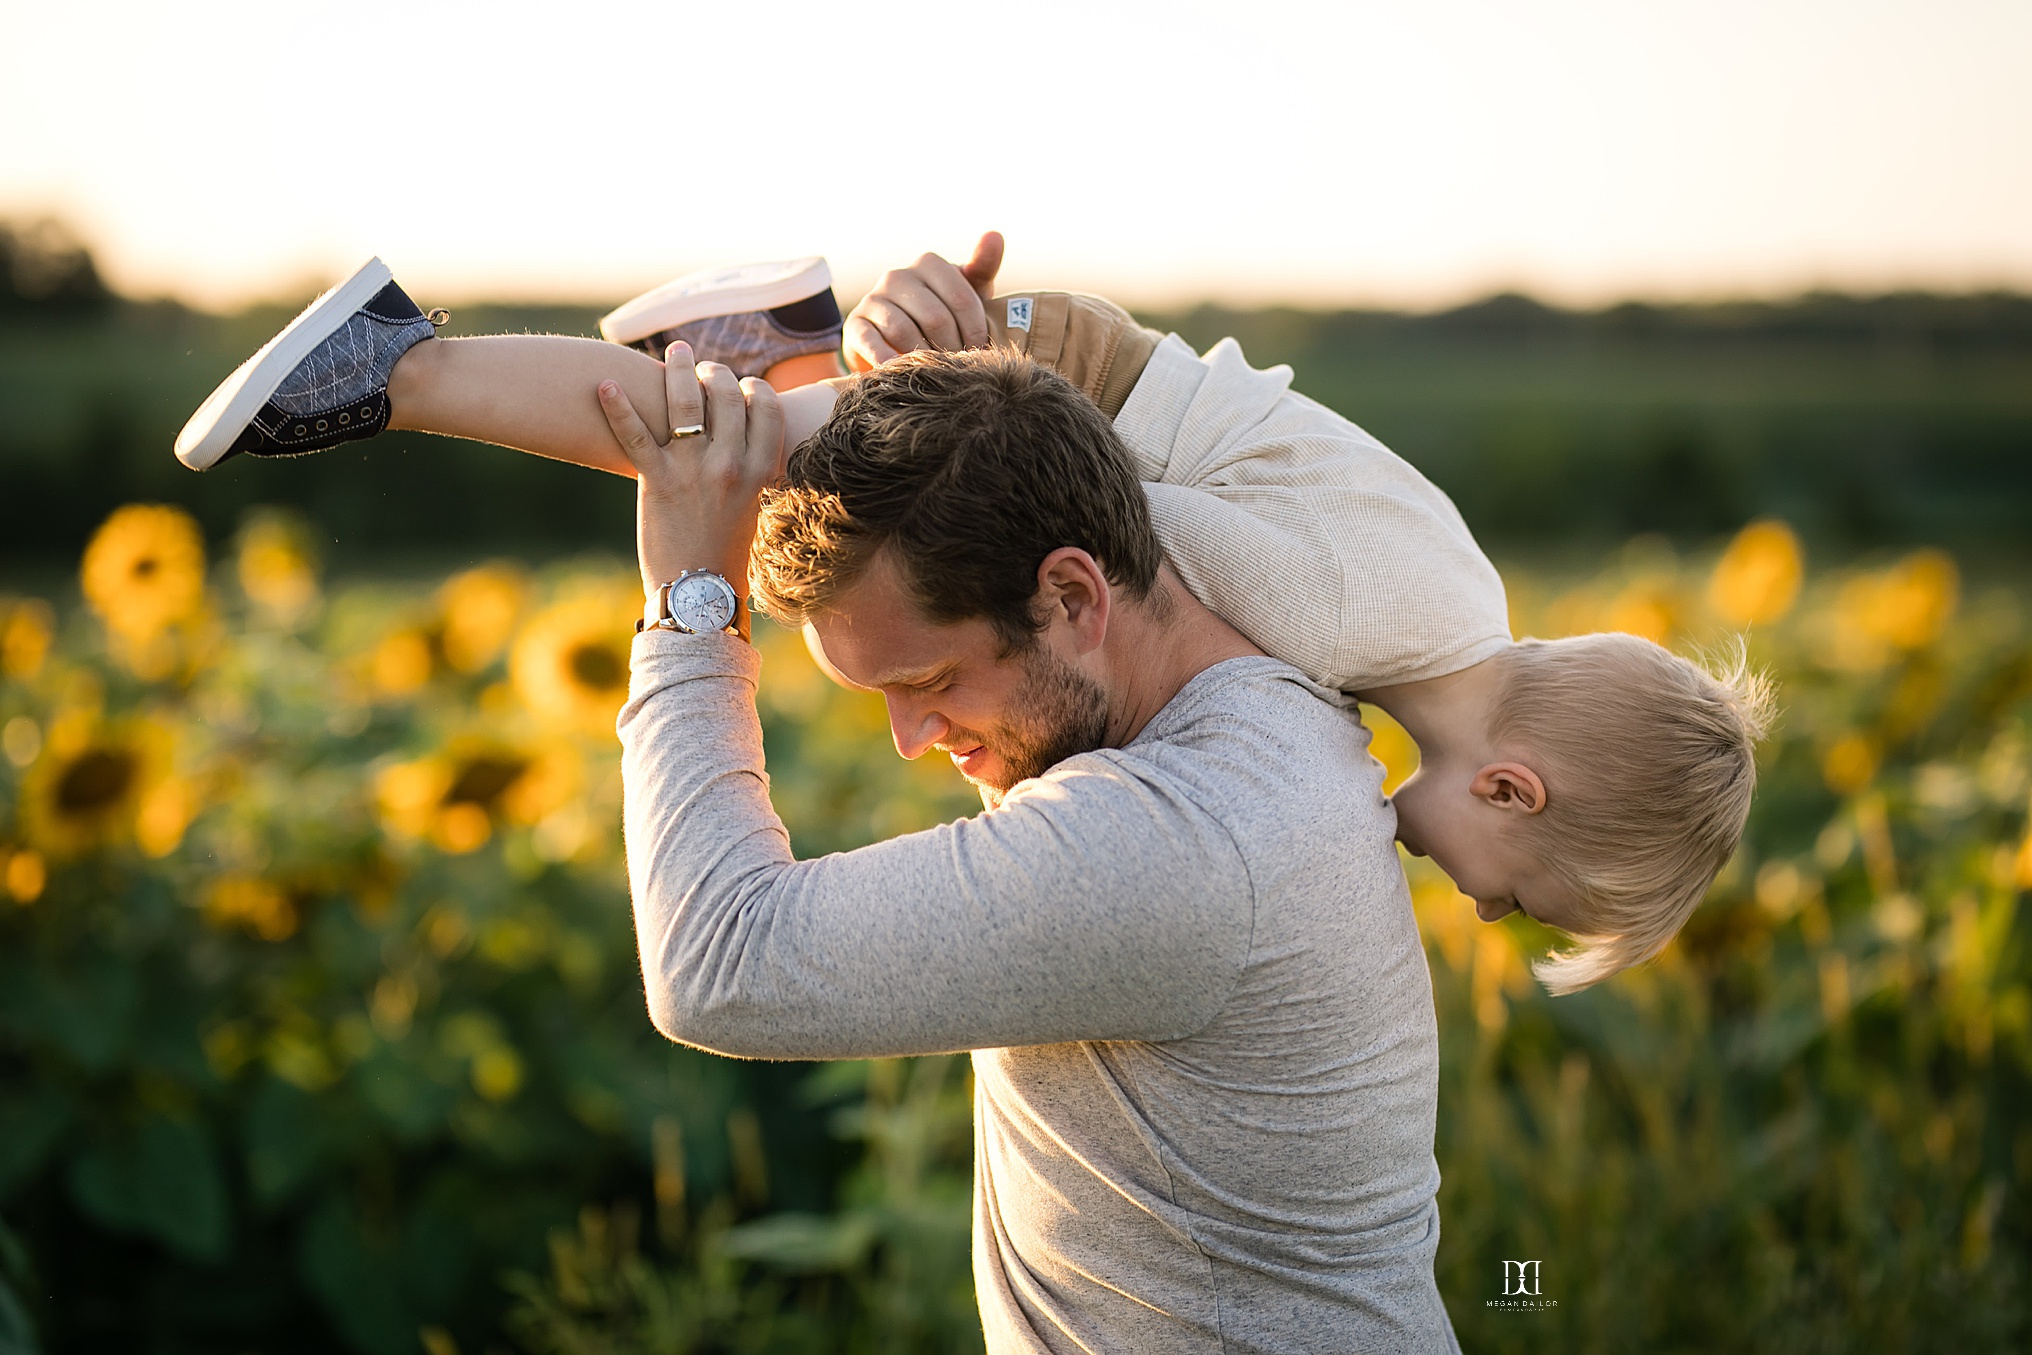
(726, 417)
(765, 451)
(864, 345)
(957, 298)
(980, 270)
(682, 397)
(637, 443)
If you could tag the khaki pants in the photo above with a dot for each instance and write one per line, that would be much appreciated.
(1092, 343)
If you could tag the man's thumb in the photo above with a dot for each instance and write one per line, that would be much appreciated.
(980, 270)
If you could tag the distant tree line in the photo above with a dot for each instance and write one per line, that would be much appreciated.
(45, 269)
(1865, 421)
(1979, 319)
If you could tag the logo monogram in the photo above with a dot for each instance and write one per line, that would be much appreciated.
(1019, 312)
(1520, 1277)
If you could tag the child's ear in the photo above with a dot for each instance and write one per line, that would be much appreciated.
(1509, 785)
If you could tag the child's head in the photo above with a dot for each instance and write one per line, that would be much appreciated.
(1627, 771)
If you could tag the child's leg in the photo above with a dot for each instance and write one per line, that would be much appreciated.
(534, 392)
(538, 393)
(363, 357)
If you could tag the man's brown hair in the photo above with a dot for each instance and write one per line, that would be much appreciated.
(969, 467)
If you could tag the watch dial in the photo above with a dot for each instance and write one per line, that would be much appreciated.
(702, 603)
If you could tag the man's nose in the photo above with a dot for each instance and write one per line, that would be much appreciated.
(914, 726)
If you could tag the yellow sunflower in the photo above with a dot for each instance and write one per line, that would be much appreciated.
(1757, 579)
(1648, 607)
(480, 607)
(570, 664)
(455, 797)
(1906, 607)
(278, 572)
(26, 629)
(144, 570)
(400, 664)
(260, 907)
(23, 875)
(90, 783)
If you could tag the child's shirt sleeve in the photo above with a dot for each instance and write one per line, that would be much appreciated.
(1301, 530)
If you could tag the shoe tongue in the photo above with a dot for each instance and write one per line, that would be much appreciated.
(392, 303)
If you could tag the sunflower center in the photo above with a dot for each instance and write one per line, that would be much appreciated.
(484, 780)
(97, 779)
(596, 666)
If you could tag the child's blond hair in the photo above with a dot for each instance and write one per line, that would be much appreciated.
(1649, 764)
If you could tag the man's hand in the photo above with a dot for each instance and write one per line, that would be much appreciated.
(930, 304)
(696, 497)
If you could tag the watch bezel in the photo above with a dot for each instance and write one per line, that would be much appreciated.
(666, 615)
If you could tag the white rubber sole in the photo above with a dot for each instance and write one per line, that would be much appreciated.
(227, 411)
(716, 291)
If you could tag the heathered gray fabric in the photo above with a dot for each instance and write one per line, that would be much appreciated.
(1205, 1054)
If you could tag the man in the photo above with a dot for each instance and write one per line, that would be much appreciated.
(1178, 941)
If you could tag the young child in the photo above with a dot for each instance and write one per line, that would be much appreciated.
(1596, 783)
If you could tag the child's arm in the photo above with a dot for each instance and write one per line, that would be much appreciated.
(1291, 523)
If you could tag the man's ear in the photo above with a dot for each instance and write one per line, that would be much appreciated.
(1511, 786)
(1073, 591)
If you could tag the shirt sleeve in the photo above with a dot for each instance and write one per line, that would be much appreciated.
(1094, 904)
(1302, 531)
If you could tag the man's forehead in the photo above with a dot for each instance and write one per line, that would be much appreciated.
(877, 634)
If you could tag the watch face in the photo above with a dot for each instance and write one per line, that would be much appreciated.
(702, 603)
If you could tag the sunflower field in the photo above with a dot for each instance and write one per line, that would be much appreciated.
(321, 1027)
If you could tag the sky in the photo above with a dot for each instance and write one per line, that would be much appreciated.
(1344, 153)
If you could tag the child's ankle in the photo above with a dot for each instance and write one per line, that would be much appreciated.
(803, 370)
(409, 382)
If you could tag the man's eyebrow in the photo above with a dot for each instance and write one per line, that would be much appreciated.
(914, 677)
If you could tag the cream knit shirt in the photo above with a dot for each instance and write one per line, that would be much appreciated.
(1302, 531)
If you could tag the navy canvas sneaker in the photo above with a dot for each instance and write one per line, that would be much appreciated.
(749, 317)
(320, 382)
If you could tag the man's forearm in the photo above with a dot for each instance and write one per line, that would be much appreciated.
(1039, 923)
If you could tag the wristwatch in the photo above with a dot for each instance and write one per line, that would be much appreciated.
(696, 602)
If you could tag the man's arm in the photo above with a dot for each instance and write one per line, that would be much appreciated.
(1089, 906)
(1094, 904)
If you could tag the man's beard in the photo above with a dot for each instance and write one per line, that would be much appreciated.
(1058, 712)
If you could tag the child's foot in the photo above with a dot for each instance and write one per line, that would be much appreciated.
(322, 381)
(749, 317)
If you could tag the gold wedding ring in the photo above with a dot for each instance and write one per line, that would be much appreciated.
(690, 430)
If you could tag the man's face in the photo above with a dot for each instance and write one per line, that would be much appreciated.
(1002, 719)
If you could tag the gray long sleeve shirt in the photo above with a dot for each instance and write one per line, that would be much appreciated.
(1204, 1047)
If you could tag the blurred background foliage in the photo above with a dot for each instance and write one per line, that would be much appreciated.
(320, 1023)
(1862, 421)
